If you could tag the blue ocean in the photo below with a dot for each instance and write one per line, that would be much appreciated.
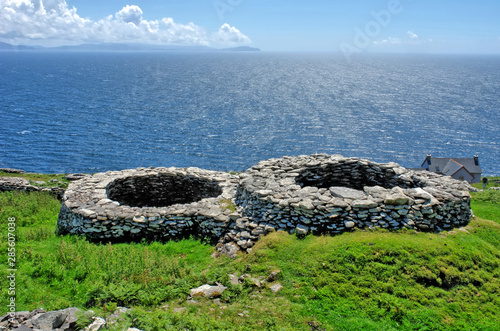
(92, 112)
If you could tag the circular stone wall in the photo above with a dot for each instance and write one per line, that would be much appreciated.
(332, 194)
(157, 203)
(161, 191)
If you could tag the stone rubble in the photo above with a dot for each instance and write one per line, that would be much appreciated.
(59, 320)
(12, 171)
(39, 319)
(21, 184)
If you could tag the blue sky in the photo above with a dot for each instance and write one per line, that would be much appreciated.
(420, 26)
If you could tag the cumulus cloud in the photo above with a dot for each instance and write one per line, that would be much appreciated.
(412, 35)
(24, 19)
(53, 22)
(130, 14)
(230, 35)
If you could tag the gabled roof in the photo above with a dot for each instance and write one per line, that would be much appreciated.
(449, 166)
(452, 167)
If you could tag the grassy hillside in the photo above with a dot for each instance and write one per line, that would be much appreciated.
(370, 280)
(485, 204)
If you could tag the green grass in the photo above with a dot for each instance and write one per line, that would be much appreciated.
(365, 280)
(492, 182)
(485, 203)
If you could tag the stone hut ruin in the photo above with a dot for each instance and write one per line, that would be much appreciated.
(322, 194)
(153, 203)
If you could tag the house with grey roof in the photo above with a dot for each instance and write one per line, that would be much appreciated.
(459, 168)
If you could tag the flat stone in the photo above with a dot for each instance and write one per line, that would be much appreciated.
(338, 202)
(364, 204)
(49, 320)
(276, 287)
(306, 204)
(97, 324)
(346, 193)
(207, 291)
(233, 279)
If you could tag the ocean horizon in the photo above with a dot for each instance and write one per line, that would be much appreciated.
(64, 112)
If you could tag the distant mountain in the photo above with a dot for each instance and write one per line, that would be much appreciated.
(9, 47)
(109, 47)
(131, 47)
(241, 49)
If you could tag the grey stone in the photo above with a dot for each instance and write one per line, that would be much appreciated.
(207, 291)
(396, 199)
(229, 249)
(73, 177)
(22, 328)
(346, 193)
(349, 224)
(301, 230)
(233, 279)
(50, 320)
(276, 287)
(363, 204)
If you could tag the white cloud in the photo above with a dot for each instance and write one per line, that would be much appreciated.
(53, 22)
(230, 35)
(388, 41)
(130, 14)
(412, 35)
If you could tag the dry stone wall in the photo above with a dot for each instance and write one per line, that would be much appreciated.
(154, 203)
(21, 184)
(304, 194)
(332, 194)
